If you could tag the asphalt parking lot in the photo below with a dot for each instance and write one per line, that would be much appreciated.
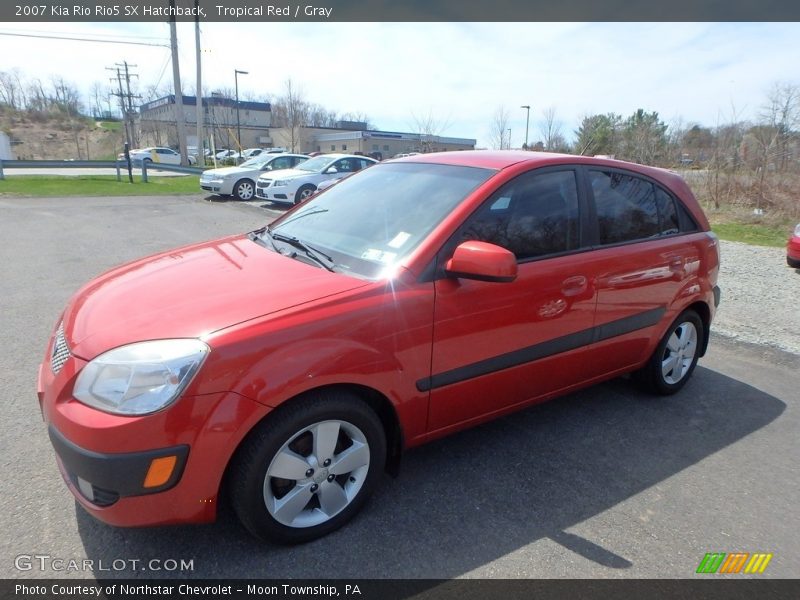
(605, 483)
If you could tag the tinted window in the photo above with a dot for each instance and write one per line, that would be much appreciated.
(667, 214)
(626, 207)
(534, 215)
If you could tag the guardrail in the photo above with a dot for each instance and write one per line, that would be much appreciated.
(119, 165)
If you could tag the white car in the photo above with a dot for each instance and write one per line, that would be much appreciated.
(167, 156)
(241, 181)
(296, 185)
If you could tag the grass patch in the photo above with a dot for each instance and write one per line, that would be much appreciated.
(97, 185)
(111, 125)
(756, 234)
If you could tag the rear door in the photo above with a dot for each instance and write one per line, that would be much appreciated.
(640, 265)
(500, 344)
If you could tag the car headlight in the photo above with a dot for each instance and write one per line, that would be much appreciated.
(140, 378)
(280, 183)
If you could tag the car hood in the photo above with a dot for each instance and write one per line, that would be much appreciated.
(288, 174)
(225, 171)
(191, 292)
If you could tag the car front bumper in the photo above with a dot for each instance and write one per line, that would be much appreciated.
(106, 459)
(793, 249)
(217, 186)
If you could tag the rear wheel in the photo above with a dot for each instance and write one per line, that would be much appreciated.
(308, 470)
(244, 189)
(795, 264)
(304, 193)
(675, 358)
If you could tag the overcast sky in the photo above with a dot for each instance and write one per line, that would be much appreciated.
(459, 72)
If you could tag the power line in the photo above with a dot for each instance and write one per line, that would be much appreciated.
(106, 35)
(78, 39)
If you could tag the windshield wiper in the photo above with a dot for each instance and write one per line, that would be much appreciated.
(314, 254)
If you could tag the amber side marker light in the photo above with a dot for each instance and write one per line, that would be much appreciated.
(160, 471)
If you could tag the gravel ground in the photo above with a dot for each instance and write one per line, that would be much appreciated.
(759, 297)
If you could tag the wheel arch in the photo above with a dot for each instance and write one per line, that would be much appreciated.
(704, 312)
(377, 401)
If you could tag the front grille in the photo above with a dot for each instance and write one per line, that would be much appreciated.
(60, 350)
(263, 183)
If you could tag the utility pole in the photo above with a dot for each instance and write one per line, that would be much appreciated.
(122, 105)
(125, 99)
(199, 102)
(176, 82)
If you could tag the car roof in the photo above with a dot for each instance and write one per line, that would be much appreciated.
(502, 159)
(336, 155)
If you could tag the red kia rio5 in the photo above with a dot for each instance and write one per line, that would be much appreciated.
(291, 366)
(793, 249)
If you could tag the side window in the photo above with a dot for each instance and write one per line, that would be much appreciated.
(279, 163)
(626, 207)
(344, 166)
(296, 160)
(365, 163)
(667, 214)
(534, 215)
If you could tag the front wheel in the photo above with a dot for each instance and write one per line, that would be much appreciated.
(244, 189)
(308, 469)
(675, 358)
(304, 193)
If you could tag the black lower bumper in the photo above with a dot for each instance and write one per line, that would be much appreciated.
(113, 476)
(717, 295)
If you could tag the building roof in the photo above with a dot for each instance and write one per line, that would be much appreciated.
(207, 101)
(393, 135)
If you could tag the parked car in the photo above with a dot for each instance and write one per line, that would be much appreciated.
(300, 183)
(241, 181)
(167, 156)
(793, 249)
(417, 298)
(226, 153)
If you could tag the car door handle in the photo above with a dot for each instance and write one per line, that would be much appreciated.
(573, 286)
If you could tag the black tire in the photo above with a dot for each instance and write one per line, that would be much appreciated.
(244, 189)
(652, 375)
(304, 193)
(291, 430)
(795, 264)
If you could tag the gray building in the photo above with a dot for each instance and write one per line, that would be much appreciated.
(157, 122)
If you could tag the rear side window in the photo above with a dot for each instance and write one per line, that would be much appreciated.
(626, 207)
(668, 214)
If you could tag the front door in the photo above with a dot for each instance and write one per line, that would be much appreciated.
(496, 345)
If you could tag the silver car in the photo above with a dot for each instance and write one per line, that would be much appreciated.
(241, 181)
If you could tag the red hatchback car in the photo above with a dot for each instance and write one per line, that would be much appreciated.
(793, 249)
(291, 366)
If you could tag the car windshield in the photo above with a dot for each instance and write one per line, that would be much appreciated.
(370, 221)
(257, 161)
(317, 164)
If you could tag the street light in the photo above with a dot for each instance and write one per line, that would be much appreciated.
(527, 121)
(236, 73)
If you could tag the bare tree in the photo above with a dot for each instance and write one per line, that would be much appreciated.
(12, 90)
(295, 109)
(552, 131)
(429, 127)
(499, 131)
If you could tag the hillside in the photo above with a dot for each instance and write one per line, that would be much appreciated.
(55, 136)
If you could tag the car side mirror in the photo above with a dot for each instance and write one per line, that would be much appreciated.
(482, 261)
(331, 170)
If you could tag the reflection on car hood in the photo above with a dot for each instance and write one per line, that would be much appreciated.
(288, 174)
(162, 296)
